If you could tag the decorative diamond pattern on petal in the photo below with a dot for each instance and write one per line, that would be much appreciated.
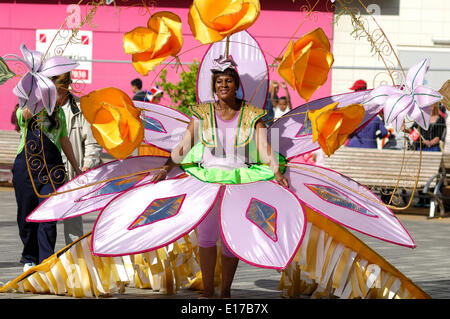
(159, 209)
(306, 129)
(264, 216)
(153, 124)
(115, 186)
(333, 196)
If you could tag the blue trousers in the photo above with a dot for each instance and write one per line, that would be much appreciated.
(38, 238)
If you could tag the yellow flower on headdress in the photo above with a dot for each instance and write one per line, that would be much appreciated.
(115, 121)
(213, 20)
(152, 45)
(306, 63)
(332, 125)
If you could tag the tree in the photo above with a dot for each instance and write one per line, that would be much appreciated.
(183, 94)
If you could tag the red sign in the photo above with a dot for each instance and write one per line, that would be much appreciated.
(42, 38)
(84, 39)
(414, 135)
(80, 74)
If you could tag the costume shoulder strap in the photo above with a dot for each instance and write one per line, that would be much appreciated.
(207, 128)
(248, 117)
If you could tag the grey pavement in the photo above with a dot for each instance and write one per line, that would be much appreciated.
(428, 265)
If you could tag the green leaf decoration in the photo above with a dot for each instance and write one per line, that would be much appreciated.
(5, 72)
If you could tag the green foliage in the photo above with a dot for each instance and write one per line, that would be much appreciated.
(183, 94)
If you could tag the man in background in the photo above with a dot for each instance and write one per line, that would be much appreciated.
(139, 94)
(85, 148)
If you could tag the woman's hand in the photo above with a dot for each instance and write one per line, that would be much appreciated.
(77, 171)
(281, 179)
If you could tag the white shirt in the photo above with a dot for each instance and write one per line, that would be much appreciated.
(277, 113)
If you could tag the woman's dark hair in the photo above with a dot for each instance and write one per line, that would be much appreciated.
(64, 79)
(229, 71)
(137, 83)
(14, 119)
(53, 119)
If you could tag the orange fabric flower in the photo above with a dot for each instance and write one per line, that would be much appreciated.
(213, 20)
(306, 63)
(152, 45)
(331, 125)
(115, 121)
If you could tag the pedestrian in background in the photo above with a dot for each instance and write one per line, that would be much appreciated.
(39, 170)
(139, 94)
(284, 103)
(367, 136)
(86, 149)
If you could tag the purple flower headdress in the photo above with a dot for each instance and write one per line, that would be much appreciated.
(35, 89)
(222, 63)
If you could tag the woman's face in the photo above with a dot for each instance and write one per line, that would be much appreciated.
(62, 92)
(225, 87)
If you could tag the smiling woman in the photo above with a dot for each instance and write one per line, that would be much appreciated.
(218, 124)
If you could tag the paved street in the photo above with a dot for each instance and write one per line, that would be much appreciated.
(428, 265)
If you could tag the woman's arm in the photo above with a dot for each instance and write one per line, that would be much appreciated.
(179, 152)
(68, 151)
(432, 142)
(273, 92)
(288, 97)
(267, 154)
(92, 150)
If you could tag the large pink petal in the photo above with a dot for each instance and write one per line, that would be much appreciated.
(81, 200)
(291, 135)
(251, 66)
(164, 127)
(250, 237)
(125, 226)
(346, 202)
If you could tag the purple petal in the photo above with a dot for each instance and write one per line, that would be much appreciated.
(262, 230)
(283, 134)
(377, 97)
(115, 232)
(33, 59)
(36, 107)
(346, 202)
(47, 91)
(26, 89)
(416, 74)
(396, 107)
(57, 65)
(75, 201)
(425, 96)
(421, 115)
